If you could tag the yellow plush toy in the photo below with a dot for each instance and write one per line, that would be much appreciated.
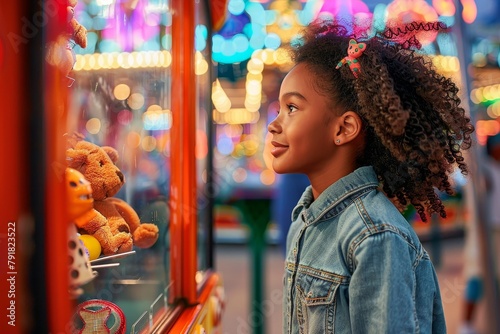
(116, 225)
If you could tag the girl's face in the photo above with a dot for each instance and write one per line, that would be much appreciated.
(303, 134)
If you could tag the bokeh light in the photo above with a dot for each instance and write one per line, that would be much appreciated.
(239, 175)
(133, 139)
(136, 101)
(267, 177)
(93, 125)
(121, 92)
(225, 145)
(148, 143)
(125, 117)
(201, 149)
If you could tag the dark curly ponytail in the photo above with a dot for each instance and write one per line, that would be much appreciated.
(415, 127)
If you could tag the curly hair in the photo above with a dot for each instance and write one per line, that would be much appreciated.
(415, 129)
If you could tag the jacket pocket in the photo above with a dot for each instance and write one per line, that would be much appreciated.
(315, 306)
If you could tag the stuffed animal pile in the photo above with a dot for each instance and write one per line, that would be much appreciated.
(115, 225)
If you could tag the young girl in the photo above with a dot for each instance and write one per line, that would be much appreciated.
(375, 128)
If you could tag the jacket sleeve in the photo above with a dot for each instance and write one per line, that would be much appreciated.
(381, 290)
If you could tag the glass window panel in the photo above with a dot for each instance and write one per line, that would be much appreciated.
(203, 68)
(120, 96)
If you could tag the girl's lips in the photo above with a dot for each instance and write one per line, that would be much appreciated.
(278, 149)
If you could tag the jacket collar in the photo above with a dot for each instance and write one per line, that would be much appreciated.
(363, 178)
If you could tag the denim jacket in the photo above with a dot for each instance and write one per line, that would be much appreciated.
(355, 265)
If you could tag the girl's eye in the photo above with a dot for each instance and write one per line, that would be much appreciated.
(291, 108)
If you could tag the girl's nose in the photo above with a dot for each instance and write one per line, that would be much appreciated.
(274, 127)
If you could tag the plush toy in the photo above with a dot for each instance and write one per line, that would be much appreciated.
(79, 208)
(354, 51)
(75, 30)
(78, 196)
(116, 225)
(60, 52)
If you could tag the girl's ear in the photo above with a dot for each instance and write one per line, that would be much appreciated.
(348, 128)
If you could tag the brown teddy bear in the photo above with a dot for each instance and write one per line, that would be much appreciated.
(116, 225)
(76, 31)
(60, 53)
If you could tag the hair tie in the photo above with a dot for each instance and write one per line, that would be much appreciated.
(354, 50)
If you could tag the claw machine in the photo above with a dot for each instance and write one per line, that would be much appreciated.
(107, 200)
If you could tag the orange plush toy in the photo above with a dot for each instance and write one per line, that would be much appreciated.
(116, 225)
(60, 53)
